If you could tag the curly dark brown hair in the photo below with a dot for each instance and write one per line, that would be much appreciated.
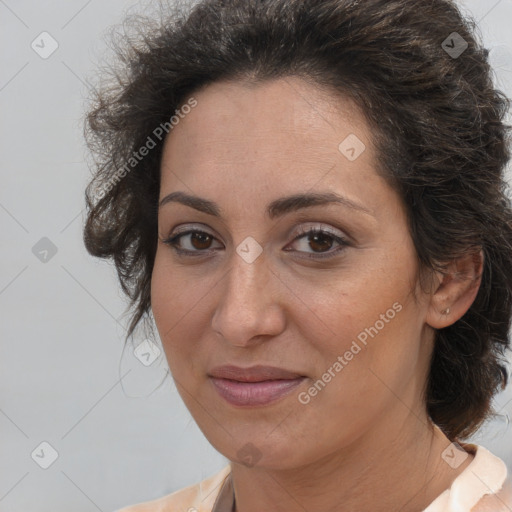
(437, 120)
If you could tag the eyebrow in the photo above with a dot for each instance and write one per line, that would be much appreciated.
(276, 208)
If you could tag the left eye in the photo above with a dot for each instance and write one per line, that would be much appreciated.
(320, 241)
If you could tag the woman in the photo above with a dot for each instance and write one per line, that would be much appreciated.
(308, 196)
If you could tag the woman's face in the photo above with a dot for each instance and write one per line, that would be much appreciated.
(252, 288)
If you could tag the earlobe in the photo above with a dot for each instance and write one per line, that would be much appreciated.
(456, 291)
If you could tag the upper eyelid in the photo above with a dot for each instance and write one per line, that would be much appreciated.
(302, 230)
(343, 242)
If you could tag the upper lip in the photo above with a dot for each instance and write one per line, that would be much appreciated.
(252, 374)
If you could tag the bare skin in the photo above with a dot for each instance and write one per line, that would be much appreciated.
(364, 442)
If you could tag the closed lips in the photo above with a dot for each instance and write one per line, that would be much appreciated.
(253, 374)
(255, 386)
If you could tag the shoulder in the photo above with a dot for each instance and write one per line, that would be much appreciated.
(198, 497)
(487, 481)
(483, 486)
(500, 501)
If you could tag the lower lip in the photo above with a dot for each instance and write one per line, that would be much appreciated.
(254, 393)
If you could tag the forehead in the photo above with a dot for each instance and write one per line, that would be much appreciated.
(289, 105)
(278, 134)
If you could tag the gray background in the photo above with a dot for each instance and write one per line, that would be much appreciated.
(120, 429)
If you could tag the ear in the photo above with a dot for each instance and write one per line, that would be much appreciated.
(455, 290)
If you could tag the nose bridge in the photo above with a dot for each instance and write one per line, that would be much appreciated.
(249, 269)
(247, 279)
(246, 308)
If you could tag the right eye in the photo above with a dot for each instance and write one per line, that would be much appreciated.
(198, 242)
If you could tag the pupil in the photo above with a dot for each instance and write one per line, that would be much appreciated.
(198, 237)
(321, 236)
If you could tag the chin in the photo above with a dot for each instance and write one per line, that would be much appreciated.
(261, 452)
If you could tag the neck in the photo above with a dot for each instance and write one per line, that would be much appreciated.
(393, 467)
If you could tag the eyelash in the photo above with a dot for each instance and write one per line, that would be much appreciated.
(172, 242)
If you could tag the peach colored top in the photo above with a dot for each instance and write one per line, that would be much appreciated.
(482, 487)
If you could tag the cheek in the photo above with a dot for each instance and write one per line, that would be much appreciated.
(177, 294)
(355, 305)
(163, 296)
(379, 360)
(176, 307)
(364, 327)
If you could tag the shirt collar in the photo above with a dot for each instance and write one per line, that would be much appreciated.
(225, 501)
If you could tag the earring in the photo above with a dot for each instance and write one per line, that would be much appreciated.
(446, 311)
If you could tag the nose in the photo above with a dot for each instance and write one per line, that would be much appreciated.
(250, 308)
